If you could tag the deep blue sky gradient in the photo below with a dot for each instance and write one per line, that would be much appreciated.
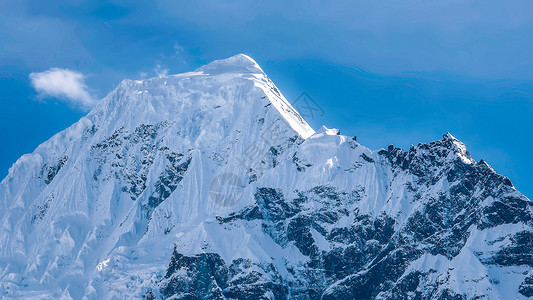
(399, 72)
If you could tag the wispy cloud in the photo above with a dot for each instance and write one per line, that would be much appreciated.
(66, 85)
(161, 71)
(179, 54)
(178, 49)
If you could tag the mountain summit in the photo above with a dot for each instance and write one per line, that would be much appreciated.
(240, 63)
(210, 185)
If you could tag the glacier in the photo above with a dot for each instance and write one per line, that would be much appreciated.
(210, 185)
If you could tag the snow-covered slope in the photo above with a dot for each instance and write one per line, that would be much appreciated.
(209, 185)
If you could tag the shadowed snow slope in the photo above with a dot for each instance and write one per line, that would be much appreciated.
(209, 185)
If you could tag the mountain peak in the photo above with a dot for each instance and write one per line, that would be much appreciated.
(449, 136)
(327, 131)
(458, 147)
(228, 89)
(240, 63)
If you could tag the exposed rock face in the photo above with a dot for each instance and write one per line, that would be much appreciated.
(209, 185)
(354, 255)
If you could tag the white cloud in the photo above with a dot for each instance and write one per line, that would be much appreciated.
(178, 49)
(66, 85)
(179, 54)
(161, 71)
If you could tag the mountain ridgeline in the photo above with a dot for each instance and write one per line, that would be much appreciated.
(210, 185)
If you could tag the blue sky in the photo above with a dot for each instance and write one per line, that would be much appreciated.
(398, 72)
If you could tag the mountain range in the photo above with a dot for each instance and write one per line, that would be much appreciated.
(210, 185)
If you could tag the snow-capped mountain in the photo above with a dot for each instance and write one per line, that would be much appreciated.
(210, 185)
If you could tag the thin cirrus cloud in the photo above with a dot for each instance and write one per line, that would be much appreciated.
(65, 85)
(161, 71)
